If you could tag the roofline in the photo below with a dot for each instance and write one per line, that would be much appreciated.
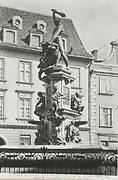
(24, 10)
(88, 57)
(84, 57)
(11, 46)
(30, 11)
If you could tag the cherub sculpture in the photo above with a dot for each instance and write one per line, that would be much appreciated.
(76, 103)
(72, 133)
(56, 97)
(57, 136)
(40, 105)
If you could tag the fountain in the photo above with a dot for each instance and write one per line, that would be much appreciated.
(58, 110)
(59, 113)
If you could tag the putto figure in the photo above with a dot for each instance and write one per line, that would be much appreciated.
(40, 105)
(72, 133)
(56, 35)
(56, 97)
(76, 103)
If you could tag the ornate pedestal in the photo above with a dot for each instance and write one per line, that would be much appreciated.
(59, 121)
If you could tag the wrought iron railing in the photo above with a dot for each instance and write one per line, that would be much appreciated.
(58, 159)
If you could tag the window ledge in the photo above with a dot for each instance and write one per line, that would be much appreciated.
(19, 82)
(36, 47)
(3, 119)
(4, 81)
(24, 120)
(73, 87)
(103, 126)
(106, 94)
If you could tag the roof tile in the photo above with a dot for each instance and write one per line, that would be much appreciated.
(30, 18)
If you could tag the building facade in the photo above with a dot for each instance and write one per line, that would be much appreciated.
(21, 37)
(104, 96)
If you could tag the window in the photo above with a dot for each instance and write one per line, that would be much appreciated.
(76, 74)
(25, 72)
(25, 108)
(36, 40)
(2, 104)
(1, 107)
(105, 116)
(25, 140)
(1, 69)
(105, 85)
(10, 36)
(64, 44)
(24, 105)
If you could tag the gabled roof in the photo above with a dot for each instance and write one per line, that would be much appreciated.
(30, 18)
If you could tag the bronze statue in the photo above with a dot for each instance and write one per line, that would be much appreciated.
(55, 100)
(76, 103)
(53, 51)
(57, 137)
(56, 35)
(50, 56)
(42, 136)
(53, 109)
(72, 133)
(40, 105)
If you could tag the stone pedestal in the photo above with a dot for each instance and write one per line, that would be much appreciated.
(60, 123)
(60, 78)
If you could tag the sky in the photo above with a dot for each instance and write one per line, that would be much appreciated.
(96, 21)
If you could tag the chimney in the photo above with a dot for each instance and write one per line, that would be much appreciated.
(94, 53)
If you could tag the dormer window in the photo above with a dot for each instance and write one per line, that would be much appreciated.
(35, 40)
(41, 25)
(10, 36)
(17, 21)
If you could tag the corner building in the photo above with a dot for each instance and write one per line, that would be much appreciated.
(104, 96)
(21, 36)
